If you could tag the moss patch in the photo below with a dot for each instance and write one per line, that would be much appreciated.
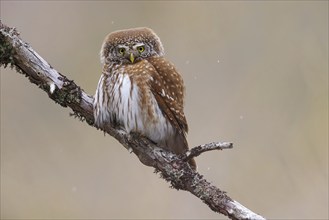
(6, 53)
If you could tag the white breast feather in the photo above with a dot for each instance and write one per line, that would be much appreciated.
(101, 113)
(128, 111)
(127, 108)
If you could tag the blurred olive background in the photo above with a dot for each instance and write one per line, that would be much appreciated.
(256, 74)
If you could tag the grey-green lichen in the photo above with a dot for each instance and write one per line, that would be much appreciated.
(6, 53)
(68, 94)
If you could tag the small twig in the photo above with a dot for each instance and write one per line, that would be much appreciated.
(196, 151)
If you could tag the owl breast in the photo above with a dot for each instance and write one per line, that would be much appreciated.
(124, 97)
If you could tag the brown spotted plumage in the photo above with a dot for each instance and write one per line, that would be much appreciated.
(140, 90)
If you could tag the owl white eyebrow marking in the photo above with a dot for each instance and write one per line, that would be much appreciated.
(138, 45)
(122, 46)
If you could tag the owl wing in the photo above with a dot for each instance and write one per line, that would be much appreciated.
(168, 88)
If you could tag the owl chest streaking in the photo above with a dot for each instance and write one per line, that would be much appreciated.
(140, 90)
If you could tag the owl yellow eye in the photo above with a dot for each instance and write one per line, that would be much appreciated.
(140, 49)
(122, 50)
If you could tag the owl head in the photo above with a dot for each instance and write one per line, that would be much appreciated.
(130, 46)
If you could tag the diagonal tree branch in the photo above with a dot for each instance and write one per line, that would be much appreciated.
(174, 169)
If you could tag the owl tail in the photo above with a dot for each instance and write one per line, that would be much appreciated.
(193, 164)
(178, 144)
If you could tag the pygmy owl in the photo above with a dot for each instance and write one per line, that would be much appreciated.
(140, 90)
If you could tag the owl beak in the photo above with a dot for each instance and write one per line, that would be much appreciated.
(132, 58)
